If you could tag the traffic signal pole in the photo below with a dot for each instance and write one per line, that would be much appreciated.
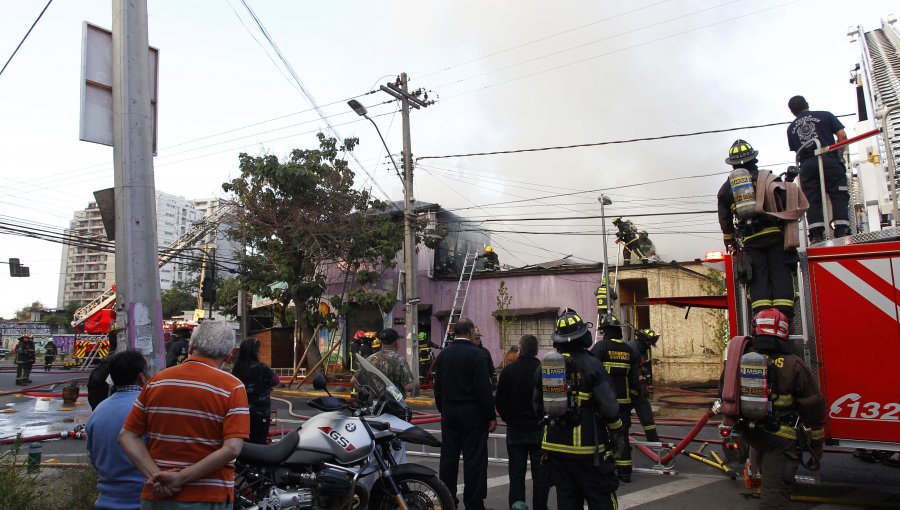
(138, 307)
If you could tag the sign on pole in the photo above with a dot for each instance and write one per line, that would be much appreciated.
(96, 86)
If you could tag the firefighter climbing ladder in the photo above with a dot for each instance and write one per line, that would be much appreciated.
(462, 291)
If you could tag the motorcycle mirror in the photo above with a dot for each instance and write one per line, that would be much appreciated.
(319, 382)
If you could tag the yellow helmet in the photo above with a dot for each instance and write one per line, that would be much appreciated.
(376, 343)
(488, 249)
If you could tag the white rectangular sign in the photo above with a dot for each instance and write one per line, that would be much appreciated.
(97, 84)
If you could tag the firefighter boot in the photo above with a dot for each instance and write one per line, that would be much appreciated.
(841, 231)
(816, 235)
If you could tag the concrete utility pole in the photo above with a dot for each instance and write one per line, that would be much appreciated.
(400, 91)
(138, 308)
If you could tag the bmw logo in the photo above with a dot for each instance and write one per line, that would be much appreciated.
(350, 427)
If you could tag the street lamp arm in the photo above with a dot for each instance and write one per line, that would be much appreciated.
(396, 168)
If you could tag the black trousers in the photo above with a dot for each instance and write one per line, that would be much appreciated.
(772, 284)
(835, 187)
(578, 481)
(623, 465)
(778, 459)
(48, 362)
(259, 425)
(462, 433)
(645, 414)
(23, 372)
(522, 445)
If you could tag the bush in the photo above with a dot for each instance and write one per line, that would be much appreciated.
(17, 485)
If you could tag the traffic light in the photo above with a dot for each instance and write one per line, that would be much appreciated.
(17, 270)
(208, 290)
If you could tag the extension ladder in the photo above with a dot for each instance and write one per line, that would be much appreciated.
(462, 291)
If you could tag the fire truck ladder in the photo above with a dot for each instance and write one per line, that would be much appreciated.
(462, 291)
(196, 232)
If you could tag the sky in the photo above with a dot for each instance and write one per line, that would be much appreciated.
(505, 76)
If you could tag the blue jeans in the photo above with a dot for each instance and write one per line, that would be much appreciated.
(521, 445)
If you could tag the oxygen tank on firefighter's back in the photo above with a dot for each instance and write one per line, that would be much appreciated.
(553, 380)
(754, 386)
(744, 193)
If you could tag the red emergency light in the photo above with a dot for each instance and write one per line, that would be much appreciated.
(714, 256)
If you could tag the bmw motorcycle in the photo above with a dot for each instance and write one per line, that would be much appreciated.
(342, 458)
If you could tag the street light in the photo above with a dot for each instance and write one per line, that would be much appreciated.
(604, 201)
(362, 112)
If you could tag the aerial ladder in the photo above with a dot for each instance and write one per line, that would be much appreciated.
(196, 232)
(462, 291)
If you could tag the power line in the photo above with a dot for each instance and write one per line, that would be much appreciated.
(26, 36)
(613, 142)
(598, 190)
(595, 217)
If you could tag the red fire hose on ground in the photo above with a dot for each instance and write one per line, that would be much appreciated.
(681, 445)
(44, 437)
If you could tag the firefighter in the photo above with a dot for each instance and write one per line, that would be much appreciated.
(644, 339)
(365, 345)
(49, 355)
(778, 444)
(605, 301)
(582, 443)
(355, 347)
(825, 127)
(491, 261)
(426, 356)
(25, 355)
(627, 236)
(376, 345)
(622, 364)
(646, 245)
(758, 236)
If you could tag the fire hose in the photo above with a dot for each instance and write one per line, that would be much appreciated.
(37, 386)
(74, 434)
(681, 445)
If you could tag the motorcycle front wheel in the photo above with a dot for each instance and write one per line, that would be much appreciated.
(421, 492)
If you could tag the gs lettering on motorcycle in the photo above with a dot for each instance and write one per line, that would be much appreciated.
(852, 407)
(336, 436)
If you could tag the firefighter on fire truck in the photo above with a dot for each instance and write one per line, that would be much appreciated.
(757, 238)
(791, 418)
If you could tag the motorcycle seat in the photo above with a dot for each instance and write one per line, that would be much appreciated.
(272, 454)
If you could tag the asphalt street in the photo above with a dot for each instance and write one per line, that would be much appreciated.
(845, 482)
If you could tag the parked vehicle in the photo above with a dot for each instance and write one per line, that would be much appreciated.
(341, 458)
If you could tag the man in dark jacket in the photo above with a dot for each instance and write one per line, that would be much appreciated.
(582, 445)
(824, 126)
(761, 238)
(462, 394)
(25, 355)
(523, 428)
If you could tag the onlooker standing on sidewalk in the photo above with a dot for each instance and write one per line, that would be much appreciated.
(462, 394)
(195, 417)
(119, 483)
(523, 428)
(259, 380)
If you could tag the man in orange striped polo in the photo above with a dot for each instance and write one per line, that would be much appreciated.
(195, 418)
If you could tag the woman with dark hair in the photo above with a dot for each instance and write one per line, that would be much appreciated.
(259, 380)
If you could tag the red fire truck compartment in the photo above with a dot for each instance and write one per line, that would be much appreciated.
(855, 296)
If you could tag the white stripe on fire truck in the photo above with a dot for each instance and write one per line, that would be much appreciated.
(880, 268)
(862, 288)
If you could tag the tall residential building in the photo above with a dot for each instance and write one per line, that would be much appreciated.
(85, 273)
(226, 250)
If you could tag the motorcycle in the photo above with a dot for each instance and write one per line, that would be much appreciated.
(341, 459)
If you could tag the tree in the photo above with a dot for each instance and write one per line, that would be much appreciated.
(65, 317)
(24, 313)
(178, 298)
(504, 300)
(306, 226)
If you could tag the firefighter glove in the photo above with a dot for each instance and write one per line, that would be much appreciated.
(618, 442)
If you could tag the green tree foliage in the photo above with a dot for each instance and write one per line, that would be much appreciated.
(178, 298)
(24, 313)
(304, 224)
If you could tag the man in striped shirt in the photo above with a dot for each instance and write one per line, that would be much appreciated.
(195, 418)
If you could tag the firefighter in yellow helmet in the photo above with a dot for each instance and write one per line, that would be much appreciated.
(757, 236)
(581, 440)
(605, 300)
(491, 261)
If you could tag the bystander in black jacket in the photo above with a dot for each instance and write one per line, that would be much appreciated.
(514, 393)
